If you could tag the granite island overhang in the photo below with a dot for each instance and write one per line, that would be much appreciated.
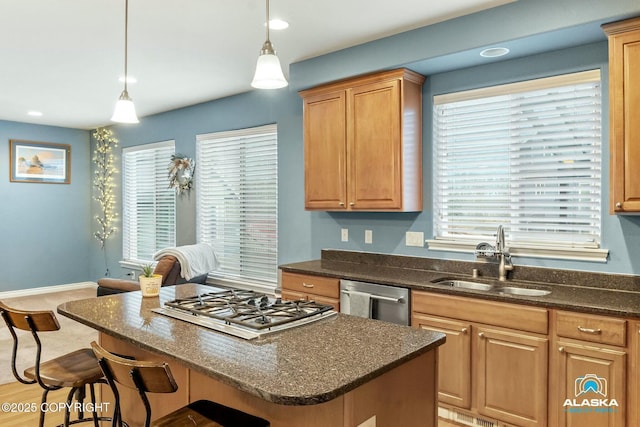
(342, 370)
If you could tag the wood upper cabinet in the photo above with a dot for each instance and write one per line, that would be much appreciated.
(624, 95)
(363, 143)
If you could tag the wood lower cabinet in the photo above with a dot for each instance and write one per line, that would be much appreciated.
(499, 370)
(511, 375)
(592, 373)
(455, 356)
(589, 368)
(624, 104)
(325, 290)
(363, 143)
(633, 366)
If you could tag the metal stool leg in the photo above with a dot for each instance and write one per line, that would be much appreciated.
(42, 402)
(93, 408)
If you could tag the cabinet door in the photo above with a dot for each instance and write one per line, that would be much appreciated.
(633, 413)
(624, 92)
(511, 373)
(454, 358)
(374, 146)
(325, 155)
(587, 372)
(325, 300)
(293, 296)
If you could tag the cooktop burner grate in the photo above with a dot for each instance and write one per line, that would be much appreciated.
(248, 309)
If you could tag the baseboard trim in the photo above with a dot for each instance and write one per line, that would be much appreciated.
(47, 289)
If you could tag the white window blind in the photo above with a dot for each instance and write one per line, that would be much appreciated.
(149, 205)
(524, 155)
(237, 203)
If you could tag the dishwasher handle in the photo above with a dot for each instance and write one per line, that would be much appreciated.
(379, 297)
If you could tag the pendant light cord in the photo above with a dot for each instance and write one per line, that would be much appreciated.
(126, 38)
(267, 20)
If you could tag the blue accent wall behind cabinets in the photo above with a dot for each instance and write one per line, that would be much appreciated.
(45, 230)
(246, 110)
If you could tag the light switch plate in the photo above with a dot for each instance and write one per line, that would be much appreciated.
(368, 236)
(344, 234)
(414, 238)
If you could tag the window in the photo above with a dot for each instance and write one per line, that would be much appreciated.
(524, 155)
(149, 205)
(237, 203)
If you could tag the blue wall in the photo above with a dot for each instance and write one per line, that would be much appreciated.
(47, 229)
(547, 37)
(303, 234)
(44, 228)
(620, 234)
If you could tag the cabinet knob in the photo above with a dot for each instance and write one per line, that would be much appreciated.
(341, 204)
(618, 205)
(463, 330)
(561, 349)
(352, 204)
(481, 334)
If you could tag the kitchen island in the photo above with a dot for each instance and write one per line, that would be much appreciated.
(339, 371)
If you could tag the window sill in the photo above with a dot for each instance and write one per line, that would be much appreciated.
(540, 251)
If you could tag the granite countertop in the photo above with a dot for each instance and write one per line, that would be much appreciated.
(300, 366)
(595, 293)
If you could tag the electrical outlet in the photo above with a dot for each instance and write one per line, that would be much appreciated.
(344, 234)
(414, 238)
(368, 236)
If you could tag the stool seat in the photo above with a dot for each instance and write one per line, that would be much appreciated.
(74, 369)
(204, 413)
(156, 377)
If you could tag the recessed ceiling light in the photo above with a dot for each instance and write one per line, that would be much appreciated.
(278, 24)
(494, 52)
(130, 79)
(35, 113)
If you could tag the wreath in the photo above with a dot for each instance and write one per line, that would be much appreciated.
(181, 171)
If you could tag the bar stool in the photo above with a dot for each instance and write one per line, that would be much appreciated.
(75, 370)
(155, 377)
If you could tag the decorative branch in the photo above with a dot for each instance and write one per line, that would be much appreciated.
(103, 183)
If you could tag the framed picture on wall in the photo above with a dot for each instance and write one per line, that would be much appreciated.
(44, 162)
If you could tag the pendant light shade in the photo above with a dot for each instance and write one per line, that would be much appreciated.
(125, 111)
(268, 70)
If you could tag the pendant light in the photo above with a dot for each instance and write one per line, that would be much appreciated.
(268, 70)
(125, 111)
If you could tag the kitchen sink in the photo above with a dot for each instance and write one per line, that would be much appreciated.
(510, 290)
(466, 285)
(497, 289)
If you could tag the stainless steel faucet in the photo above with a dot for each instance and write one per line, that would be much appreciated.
(503, 255)
(498, 253)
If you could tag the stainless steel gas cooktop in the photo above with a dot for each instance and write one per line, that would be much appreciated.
(245, 314)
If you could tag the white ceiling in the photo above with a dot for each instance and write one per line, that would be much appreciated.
(64, 57)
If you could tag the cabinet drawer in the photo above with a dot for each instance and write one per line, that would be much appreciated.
(514, 316)
(605, 330)
(317, 285)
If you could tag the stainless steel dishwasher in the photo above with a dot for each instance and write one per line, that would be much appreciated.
(388, 303)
